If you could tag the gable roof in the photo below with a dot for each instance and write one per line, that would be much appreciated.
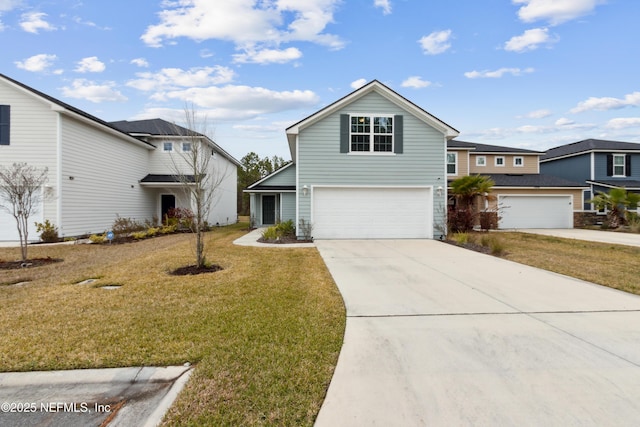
(588, 146)
(379, 88)
(64, 108)
(485, 148)
(163, 128)
(258, 185)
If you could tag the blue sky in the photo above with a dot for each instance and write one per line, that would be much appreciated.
(523, 73)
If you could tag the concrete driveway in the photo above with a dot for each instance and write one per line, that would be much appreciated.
(615, 237)
(437, 335)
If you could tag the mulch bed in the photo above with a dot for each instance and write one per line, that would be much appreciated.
(191, 270)
(34, 262)
(283, 241)
(471, 246)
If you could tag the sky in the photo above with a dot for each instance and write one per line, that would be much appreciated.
(531, 74)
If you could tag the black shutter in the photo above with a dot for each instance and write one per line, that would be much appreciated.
(5, 124)
(398, 135)
(627, 165)
(344, 133)
(609, 164)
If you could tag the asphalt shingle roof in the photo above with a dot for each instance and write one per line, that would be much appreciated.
(531, 180)
(156, 127)
(486, 148)
(588, 145)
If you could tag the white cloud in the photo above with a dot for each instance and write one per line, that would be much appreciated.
(436, 42)
(538, 114)
(37, 63)
(174, 78)
(140, 62)
(267, 56)
(6, 5)
(623, 123)
(563, 121)
(415, 82)
(246, 22)
(529, 40)
(385, 5)
(242, 102)
(357, 84)
(497, 73)
(32, 22)
(608, 103)
(554, 11)
(90, 64)
(94, 92)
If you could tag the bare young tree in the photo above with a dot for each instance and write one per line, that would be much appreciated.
(21, 194)
(201, 176)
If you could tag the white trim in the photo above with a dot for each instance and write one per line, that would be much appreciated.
(495, 161)
(515, 165)
(613, 165)
(159, 205)
(372, 134)
(274, 173)
(58, 187)
(298, 186)
(481, 157)
(446, 162)
(593, 165)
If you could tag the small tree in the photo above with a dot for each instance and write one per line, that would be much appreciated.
(466, 189)
(199, 176)
(616, 202)
(20, 195)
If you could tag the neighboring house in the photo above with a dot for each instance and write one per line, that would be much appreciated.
(523, 197)
(598, 163)
(370, 165)
(95, 170)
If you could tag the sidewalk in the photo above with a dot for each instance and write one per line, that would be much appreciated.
(614, 237)
(251, 239)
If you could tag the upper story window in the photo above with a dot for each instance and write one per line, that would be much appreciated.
(5, 124)
(372, 134)
(186, 147)
(499, 161)
(167, 147)
(618, 165)
(481, 160)
(518, 161)
(452, 163)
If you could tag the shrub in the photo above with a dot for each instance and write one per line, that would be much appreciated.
(98, 238)
(633, 219)
(306, 228)
(488, 220)
(182, 217)
(286, 229)
(495, 245)
(168, 229)
(270, 233)
(139, 235)
(151, 232)
(460, 220)
(461, 238)
(123, 227)
(48, 232)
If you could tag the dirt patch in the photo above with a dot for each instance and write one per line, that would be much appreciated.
(30, 263)
(191, 270)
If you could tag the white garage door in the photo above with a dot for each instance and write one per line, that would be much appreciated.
(372, 213)
(536, 211)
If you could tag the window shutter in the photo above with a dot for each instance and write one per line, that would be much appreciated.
(5, 121)
(627, 165)
(344, 133)
(398, 135)
(609, 164)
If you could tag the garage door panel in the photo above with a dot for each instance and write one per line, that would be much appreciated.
(372, 212)
(536, 211)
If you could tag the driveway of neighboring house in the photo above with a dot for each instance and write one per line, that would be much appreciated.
(439, 335)
(615, 237)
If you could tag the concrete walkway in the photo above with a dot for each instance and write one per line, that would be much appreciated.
(251, 239)
(439, 336)
(83, 397)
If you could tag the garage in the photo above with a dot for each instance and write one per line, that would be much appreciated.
(544, 211)
(372, 212)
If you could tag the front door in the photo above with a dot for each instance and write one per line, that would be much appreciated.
(167, 202)
(268, 209)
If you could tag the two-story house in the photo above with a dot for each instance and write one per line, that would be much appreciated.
(370, 165)
(600, 164)
(522, 196)
(96, 170)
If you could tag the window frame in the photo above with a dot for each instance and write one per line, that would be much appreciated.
(455, 163)
(495, 161)
(186, 144)
(5, 125)
(484, 161)
(164, 147)
(623, 165)
(371, 134)
(515, 159)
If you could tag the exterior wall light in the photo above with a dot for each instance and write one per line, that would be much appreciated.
(305, 190)
(439, 191)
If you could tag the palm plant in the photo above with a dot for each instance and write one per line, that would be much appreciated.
(616, 202)
(466, 189)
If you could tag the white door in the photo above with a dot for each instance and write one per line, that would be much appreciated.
(536, 211)
(371, 213)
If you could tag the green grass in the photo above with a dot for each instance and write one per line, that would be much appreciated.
(264, 334)
(615, 266)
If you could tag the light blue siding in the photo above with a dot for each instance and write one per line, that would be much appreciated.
(421, 164)
(288, 206)
(285, 176)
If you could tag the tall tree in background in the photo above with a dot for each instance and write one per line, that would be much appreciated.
(254, 168)
(201, 176)
(21, 193)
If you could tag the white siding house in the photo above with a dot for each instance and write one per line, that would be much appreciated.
(96, 170)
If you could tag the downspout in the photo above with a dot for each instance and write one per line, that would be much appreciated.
(59, 175)
(297, 187)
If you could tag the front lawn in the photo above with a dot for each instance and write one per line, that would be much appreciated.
(264, 333)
